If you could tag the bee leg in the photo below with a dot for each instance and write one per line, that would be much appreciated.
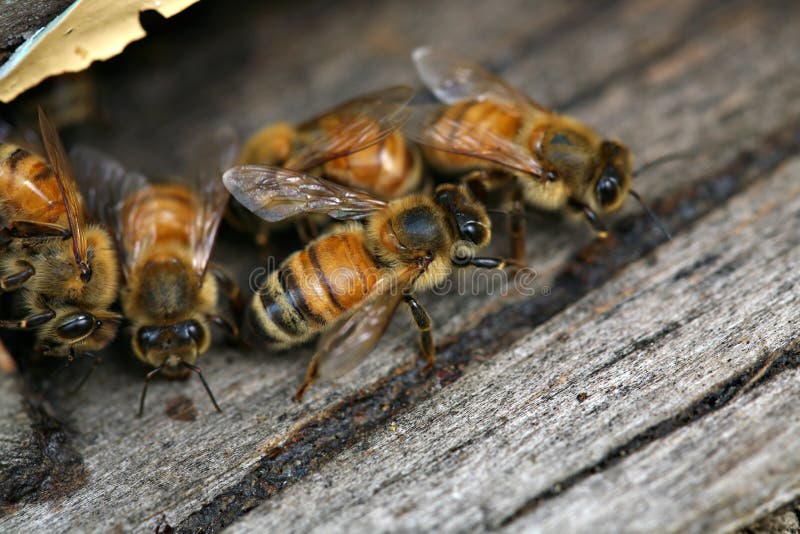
(224, 323)
(488, 263)
(230, 289)
(311, 376)
(423, 322)
(516, 223)
(591, 217)
(34, 229)
(481, 182)
(31, 321)
(16, 280)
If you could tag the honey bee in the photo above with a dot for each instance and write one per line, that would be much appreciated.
(165, 234)
(508, 141)
(347, 283)
(356, 143)
(64, 270)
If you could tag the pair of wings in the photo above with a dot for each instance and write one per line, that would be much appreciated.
(453, 80)
(108, 184)
(350, 127)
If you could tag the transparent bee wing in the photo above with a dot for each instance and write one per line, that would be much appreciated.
(430, 127)
(350, 127)
(106, 184)
(454, 79)
(209, 159)
(344, 347)
(275, 194)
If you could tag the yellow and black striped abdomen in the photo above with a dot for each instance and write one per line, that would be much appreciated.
(28, 188)
(313, 288)
(468, 125)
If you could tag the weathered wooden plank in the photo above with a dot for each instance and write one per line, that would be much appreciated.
(556, 434)
(664, 83)
(21, 18)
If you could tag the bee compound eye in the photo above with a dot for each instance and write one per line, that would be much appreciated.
(76, 326)
(192, 330)
(147, 337)
(473, 231)
(607, 192)
(607, 189)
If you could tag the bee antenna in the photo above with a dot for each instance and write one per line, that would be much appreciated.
(196, 369)
(681, 154)
(147, 379)
(653, 217)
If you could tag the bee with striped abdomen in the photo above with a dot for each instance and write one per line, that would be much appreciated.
(63, 270)
(356, 143)
(165, 233)
(506, 140)
(347, 283)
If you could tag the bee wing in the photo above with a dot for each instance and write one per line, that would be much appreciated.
(66, 184)
(275, 194)
(210, 157)
(454, 79)
(351, 126)
(106, 184)
(430, 127)
(343, 348)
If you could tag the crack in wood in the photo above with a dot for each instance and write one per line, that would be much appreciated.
(718, 398)
(346, 422)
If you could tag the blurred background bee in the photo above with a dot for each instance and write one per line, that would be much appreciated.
(347, 283)
(356, 143)
(63, 271)
(165, 233)
(507, 141)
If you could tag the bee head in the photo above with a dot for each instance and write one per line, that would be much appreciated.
(468, 216)
(74, 330)
(172, 345)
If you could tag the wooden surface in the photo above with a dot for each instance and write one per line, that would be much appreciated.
(611, 400)
(22, 18)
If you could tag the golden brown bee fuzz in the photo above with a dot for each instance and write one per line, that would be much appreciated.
(507, 141)
(63, 271)
(356, 144)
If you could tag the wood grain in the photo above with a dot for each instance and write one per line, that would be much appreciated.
(556, 463)
(655, 339)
